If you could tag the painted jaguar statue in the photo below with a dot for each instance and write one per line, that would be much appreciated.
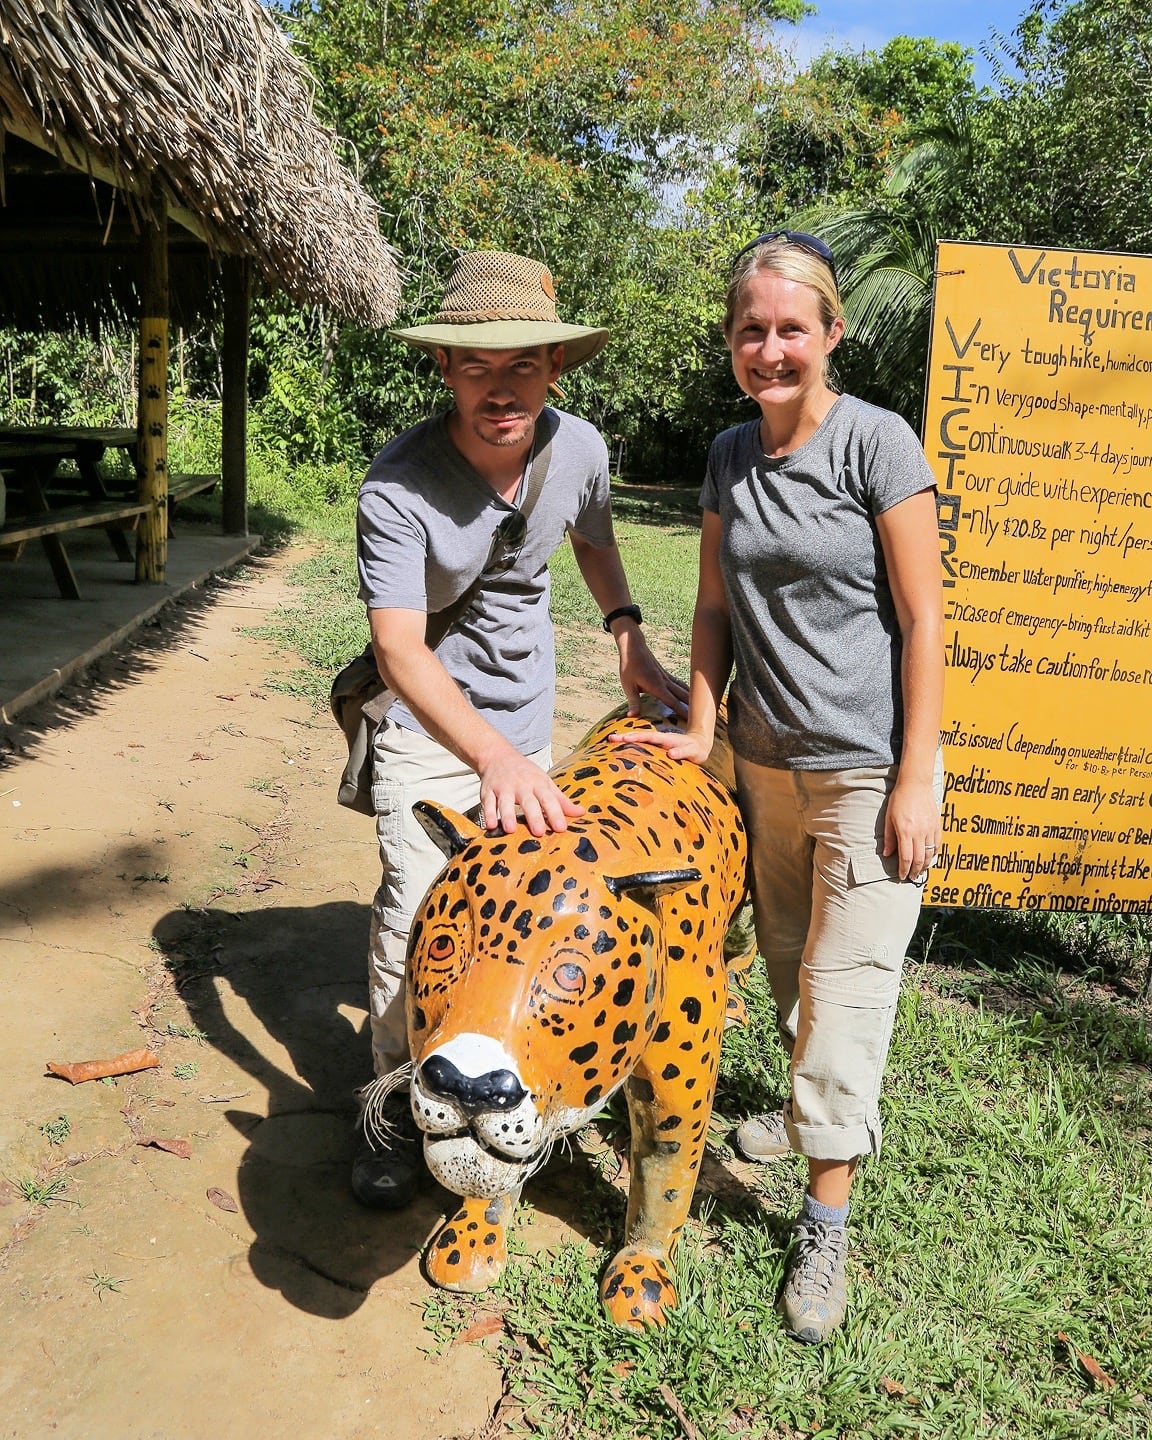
(544, 974)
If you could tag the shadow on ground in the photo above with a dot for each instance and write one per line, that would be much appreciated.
(660, 505)
(1087, 976)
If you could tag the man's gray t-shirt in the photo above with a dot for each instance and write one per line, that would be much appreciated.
(426, 524)
(814, 631)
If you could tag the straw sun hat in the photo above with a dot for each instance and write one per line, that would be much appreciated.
(497, 301)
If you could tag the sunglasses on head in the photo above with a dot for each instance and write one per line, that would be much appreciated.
(507, 539)
(812, 243)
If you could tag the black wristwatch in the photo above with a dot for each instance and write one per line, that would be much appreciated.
(631, 611)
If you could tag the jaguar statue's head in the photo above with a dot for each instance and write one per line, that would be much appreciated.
(536, 982)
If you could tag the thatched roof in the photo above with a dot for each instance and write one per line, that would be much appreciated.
(205, 100)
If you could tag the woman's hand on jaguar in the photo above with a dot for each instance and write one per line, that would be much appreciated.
(680, 744)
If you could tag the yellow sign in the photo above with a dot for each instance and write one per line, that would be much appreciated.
(1038, 426)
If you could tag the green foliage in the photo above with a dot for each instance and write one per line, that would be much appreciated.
(186, 1032)
(657, 559)
(886, 260)
(1068, 136)
(635, 148)
(1052, 157)
(61, 378)
(104, 1284)
(827, 136)
(867, 149)
(920, 79)
(282, 496)
(42, 1190)
(302, 414)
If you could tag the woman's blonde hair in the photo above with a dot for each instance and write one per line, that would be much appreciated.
(791, 261)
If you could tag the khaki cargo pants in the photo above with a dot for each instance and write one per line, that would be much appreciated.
(832, 923)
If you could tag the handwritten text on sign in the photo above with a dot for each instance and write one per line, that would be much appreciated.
(1038, 426)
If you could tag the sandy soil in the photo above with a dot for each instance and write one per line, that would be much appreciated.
(175, 873)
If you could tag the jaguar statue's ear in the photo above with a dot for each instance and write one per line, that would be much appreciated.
(450, 830)
(655, 882)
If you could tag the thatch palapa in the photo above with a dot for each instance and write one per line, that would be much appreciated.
(207, 103)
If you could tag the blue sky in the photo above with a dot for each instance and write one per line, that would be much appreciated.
(869, 24)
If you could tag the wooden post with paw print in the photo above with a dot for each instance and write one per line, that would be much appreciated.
(152, 405)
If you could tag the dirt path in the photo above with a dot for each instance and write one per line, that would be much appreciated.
(174, 873)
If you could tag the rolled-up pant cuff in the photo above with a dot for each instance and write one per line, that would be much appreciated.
(833, 1142)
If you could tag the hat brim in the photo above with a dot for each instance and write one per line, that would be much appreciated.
(580, 342)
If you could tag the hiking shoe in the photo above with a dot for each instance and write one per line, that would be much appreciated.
(386, 1167)
(815, 1293)
(763, 1137)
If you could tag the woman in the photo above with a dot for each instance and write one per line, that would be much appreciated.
(820, 581)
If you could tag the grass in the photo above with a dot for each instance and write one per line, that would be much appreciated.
(328, 626)
(40, 1190)
(1001, 1243)
(56, 1131)
(186, 1032)
(104, 1284)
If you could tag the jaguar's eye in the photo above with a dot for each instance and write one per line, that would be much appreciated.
(443, 947)
(569, 978)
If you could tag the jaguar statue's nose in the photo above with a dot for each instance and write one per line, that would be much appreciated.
(496, 1090)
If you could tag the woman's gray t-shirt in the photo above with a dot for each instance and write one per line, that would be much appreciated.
(425, 525)
(814, 631)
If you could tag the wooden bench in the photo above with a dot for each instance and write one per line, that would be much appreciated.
(48, 525)
(180, 487)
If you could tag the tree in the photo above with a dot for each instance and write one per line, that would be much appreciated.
(566, 130)
(1068, 141)
(886, 259)
(863, 148)
(828, 136)
(1056, 155)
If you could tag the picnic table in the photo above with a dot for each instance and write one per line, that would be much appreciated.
(90, 441)
(32, 461)
(35, 451)
(32, 455)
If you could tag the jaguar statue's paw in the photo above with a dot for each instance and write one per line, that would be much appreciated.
(469, 1251)
(637, 1290)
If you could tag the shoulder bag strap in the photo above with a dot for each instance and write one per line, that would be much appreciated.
(546, 428)
(442, 621)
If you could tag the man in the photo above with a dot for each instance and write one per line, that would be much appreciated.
(472, 723)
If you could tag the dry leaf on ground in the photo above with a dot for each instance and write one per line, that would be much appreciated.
(182, 1149)
(669, 1397)
(77, 1071)
(1096, 1374)
(481, 1328)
